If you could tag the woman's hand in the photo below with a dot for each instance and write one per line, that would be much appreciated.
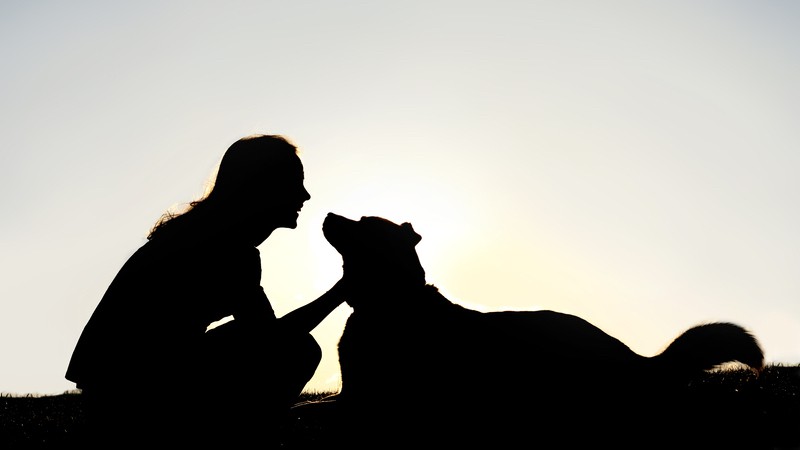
(307, 317)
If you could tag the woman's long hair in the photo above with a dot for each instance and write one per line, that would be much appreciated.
(247, 165)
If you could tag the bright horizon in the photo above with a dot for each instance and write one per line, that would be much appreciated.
(632, 163)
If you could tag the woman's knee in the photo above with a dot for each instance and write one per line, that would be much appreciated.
(305, 354)
(312, 348)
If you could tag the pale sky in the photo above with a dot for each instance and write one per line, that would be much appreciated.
(633, 163)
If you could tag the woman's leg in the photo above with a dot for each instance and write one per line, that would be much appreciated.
(253, 377)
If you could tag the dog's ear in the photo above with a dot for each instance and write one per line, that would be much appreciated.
(412, 235)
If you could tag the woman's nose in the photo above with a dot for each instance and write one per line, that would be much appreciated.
(306, 194)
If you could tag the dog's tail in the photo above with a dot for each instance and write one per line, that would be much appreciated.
(707, 346)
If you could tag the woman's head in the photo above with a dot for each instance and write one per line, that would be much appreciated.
(257, 165)
(258, 187)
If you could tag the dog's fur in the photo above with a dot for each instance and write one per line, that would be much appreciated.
(411, 360)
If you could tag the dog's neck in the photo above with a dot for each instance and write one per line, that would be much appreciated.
(409, 298)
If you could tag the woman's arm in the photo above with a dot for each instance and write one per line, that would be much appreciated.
(307, 317)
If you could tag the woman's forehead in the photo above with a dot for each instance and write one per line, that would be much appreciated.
(287, 170)
(285, 164)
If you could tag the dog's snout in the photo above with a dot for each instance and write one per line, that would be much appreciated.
(332, 226)
(333, 219)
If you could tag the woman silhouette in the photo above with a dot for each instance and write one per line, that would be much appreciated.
(146, 364)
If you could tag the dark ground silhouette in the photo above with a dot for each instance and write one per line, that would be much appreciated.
(739, 411)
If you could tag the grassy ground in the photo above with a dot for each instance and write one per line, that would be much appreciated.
(768, 406)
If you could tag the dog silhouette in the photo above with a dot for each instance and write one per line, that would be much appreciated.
(418, 368)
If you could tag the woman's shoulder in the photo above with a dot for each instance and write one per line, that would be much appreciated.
(204, 248)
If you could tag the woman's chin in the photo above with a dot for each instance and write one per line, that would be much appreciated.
(290, 223)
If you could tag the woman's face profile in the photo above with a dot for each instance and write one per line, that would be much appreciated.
(291, 196)
(280, 199)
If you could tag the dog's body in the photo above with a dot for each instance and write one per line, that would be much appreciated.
(410, 357)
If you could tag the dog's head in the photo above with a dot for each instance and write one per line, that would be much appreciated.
(378, 256)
